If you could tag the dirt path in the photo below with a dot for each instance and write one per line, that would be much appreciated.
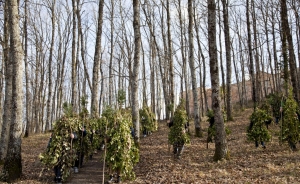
(91, 172)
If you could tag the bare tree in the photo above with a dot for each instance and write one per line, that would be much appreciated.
(8, 88)
(136, 67)
(228, 59)
(198, 129)
(97, 63)
(220, 138)
(13, 161)
(74, 60)
(48, 117)
(291, 59)
(251, 67)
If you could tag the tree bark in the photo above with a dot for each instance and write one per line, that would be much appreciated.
(136, 68)
(228, 60)
(220, 138)
(291, 59)
(48, 118)
(8, 89)
(198, 128)
(13, 161)
(251, 67)
(97, 64)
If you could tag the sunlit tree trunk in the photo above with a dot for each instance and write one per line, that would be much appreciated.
(291, 59)
(13, 161)
(48, 118)
(136, 68)
(220, 138)
(198, 128)
(251, 67)
(74, 61)
(97, 64)
(228, 59)
(8, 89)
(170, 58)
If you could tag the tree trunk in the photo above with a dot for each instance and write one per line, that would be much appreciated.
(257, 74)
(198, 128)
(291, 59)
(251, 67)
(48, 118)
(136, 68)
(13, 161)
(220, 138)
(223, 91)
(74, 61)
(228, 60)
(170, 58)
(8, 88)
(97, 64)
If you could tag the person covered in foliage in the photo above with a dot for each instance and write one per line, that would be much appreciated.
(257, 130)
(60, 153)
(274, 99)
(211, 127)
(177, 135)
(148, 121)
(81, 147)
(58, 167)
(122, 154)
(290, 129)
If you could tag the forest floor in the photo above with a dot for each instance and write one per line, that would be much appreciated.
(247, 164)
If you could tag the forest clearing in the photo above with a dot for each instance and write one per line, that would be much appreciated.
(247, 164)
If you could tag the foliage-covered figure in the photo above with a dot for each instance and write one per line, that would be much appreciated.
(267, 108)
(290, 124)
(257, 130)
(60, 153)
(148, 121)
(274, 100)
(211, 131)
(177, 135)
(122, 153)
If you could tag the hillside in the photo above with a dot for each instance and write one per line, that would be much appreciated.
(247, 164)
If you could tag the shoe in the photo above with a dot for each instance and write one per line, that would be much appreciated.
(119, 179)
(58, 180)
(111, 179)
(75, 169)
(264, 146)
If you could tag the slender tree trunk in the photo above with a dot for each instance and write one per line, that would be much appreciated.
(110, 96)
(170, 58)
(48, 118)
(27, 103)
(284, 48)
(136, 68)
(277, 71)
(220, 138)
(228, 60)
(8, 88)
(257, 74)
(198, 128)
(251, 67)
(223, 91)
(291, 59)
(97, 64)
(74, 61)
(183, 56)
(13, 161)
(204, 98)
